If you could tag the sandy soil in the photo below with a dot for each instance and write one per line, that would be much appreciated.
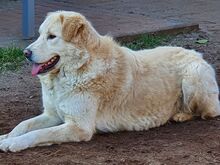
(194, 142)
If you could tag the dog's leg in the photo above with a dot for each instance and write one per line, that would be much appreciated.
(181, 117)
(200, 91)
(3, 137)
(79, 113)
(42, 121)
(66, 132)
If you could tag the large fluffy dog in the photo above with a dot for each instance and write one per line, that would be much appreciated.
(90, 83)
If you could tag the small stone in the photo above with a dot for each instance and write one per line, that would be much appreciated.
(31, 97)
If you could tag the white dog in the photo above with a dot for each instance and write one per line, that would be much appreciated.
(90, 83)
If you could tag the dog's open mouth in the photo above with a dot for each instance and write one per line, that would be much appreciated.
(39, 68)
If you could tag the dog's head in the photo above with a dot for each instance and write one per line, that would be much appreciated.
(64, 37)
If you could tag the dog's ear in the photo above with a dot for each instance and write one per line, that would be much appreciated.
(74, 29)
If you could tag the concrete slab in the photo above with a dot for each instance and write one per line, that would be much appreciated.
(102, 13)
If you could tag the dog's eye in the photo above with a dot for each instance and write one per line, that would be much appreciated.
(51, 36)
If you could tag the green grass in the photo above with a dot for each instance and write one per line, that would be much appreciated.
(11, 58)
(146, 41)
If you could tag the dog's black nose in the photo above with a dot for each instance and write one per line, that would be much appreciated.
(27, 53)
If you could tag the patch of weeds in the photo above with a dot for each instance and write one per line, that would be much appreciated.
(147, 41)
(11, 58)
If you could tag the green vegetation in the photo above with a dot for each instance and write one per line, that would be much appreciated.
(146, 41)
(10, 58)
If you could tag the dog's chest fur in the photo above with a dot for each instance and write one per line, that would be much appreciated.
(57, 91)
(68, 93)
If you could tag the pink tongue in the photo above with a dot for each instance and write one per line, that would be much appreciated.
(35, 69)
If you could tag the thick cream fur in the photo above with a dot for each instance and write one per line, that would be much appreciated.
(100, 86)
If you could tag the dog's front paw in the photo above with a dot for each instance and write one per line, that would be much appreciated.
(13, 145)
(2, 137)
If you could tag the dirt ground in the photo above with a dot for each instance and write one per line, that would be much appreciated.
(194, 142)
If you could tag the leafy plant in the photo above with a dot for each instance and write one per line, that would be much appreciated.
(146, 41)
(11, 58)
